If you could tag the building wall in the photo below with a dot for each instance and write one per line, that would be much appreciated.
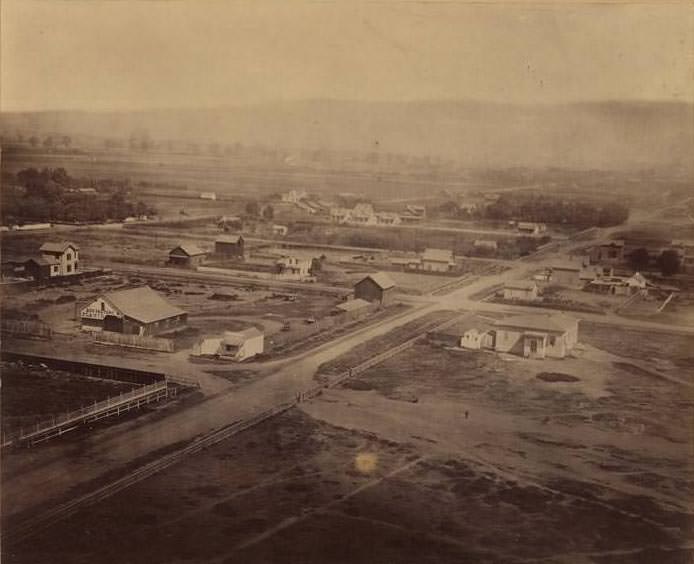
(509, 340)
(520, 294)
(571, 278)
(186, 261)
(371, 292)
(435, 266)
(68, 261)
(229, 249)
(606, 254)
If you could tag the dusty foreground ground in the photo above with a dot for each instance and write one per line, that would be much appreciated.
(582, 460)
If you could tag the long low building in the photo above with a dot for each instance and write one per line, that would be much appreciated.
(135, 311)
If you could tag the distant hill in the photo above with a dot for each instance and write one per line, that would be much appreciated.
(616, 135)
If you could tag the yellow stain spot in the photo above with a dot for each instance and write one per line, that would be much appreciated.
(366, 462)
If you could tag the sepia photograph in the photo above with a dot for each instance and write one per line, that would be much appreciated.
(346, 282)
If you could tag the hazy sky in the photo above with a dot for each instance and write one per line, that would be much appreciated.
(59, 54)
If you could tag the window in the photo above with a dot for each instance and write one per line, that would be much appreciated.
(69, 255)
(552, 341)
(103, 306)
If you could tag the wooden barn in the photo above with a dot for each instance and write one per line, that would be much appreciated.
(187, 255)
(230, 246)
(378, 288)
(135, 311)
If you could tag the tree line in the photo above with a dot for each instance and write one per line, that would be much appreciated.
(53, 195)
(543, 209)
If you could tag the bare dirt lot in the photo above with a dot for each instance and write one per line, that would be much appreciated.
(296, 489)
(32, 393)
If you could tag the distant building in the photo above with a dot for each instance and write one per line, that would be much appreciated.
(486, 244)
(280, 230)
(136, 311)
(187, 255)
(340, 215)
(521, 290)
(363, 214)
(42, 268)
(537, 336)
(437, 260)
(230, 246)
(229, 223)
(417, 211)
(590, 272)
(619, 285)
(294, 268)
(208, 196)
(567, 274)
(608, 253)
(387, 218)
(378, 288)
(65, 254)
(531, 228)
(294, 196)
(685, 250)
(407, 263)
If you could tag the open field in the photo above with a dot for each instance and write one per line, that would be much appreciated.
(296, 489)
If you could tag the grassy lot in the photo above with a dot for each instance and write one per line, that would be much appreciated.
(295, 489)
(380, 344)
(669, 351)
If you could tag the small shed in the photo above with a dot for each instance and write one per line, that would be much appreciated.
(187, 255)
(230, 246)
(378, 288)
(242, 345)
(353, 309)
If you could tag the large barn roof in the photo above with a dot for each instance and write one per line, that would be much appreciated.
(142, 304)
(381, 279)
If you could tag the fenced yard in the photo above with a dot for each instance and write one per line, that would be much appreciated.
(134, 341)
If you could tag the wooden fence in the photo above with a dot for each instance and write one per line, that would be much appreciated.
(27, 328)
(134, 341)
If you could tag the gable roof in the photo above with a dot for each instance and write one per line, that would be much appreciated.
(142, 304)
(49, 260)
(189, 249)
(554, 323)
(566, 265)
(229, 239)
(59, 247)
(237, 338)
(381, 279)
(520, 285)
(468, 323)
(438, 255)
